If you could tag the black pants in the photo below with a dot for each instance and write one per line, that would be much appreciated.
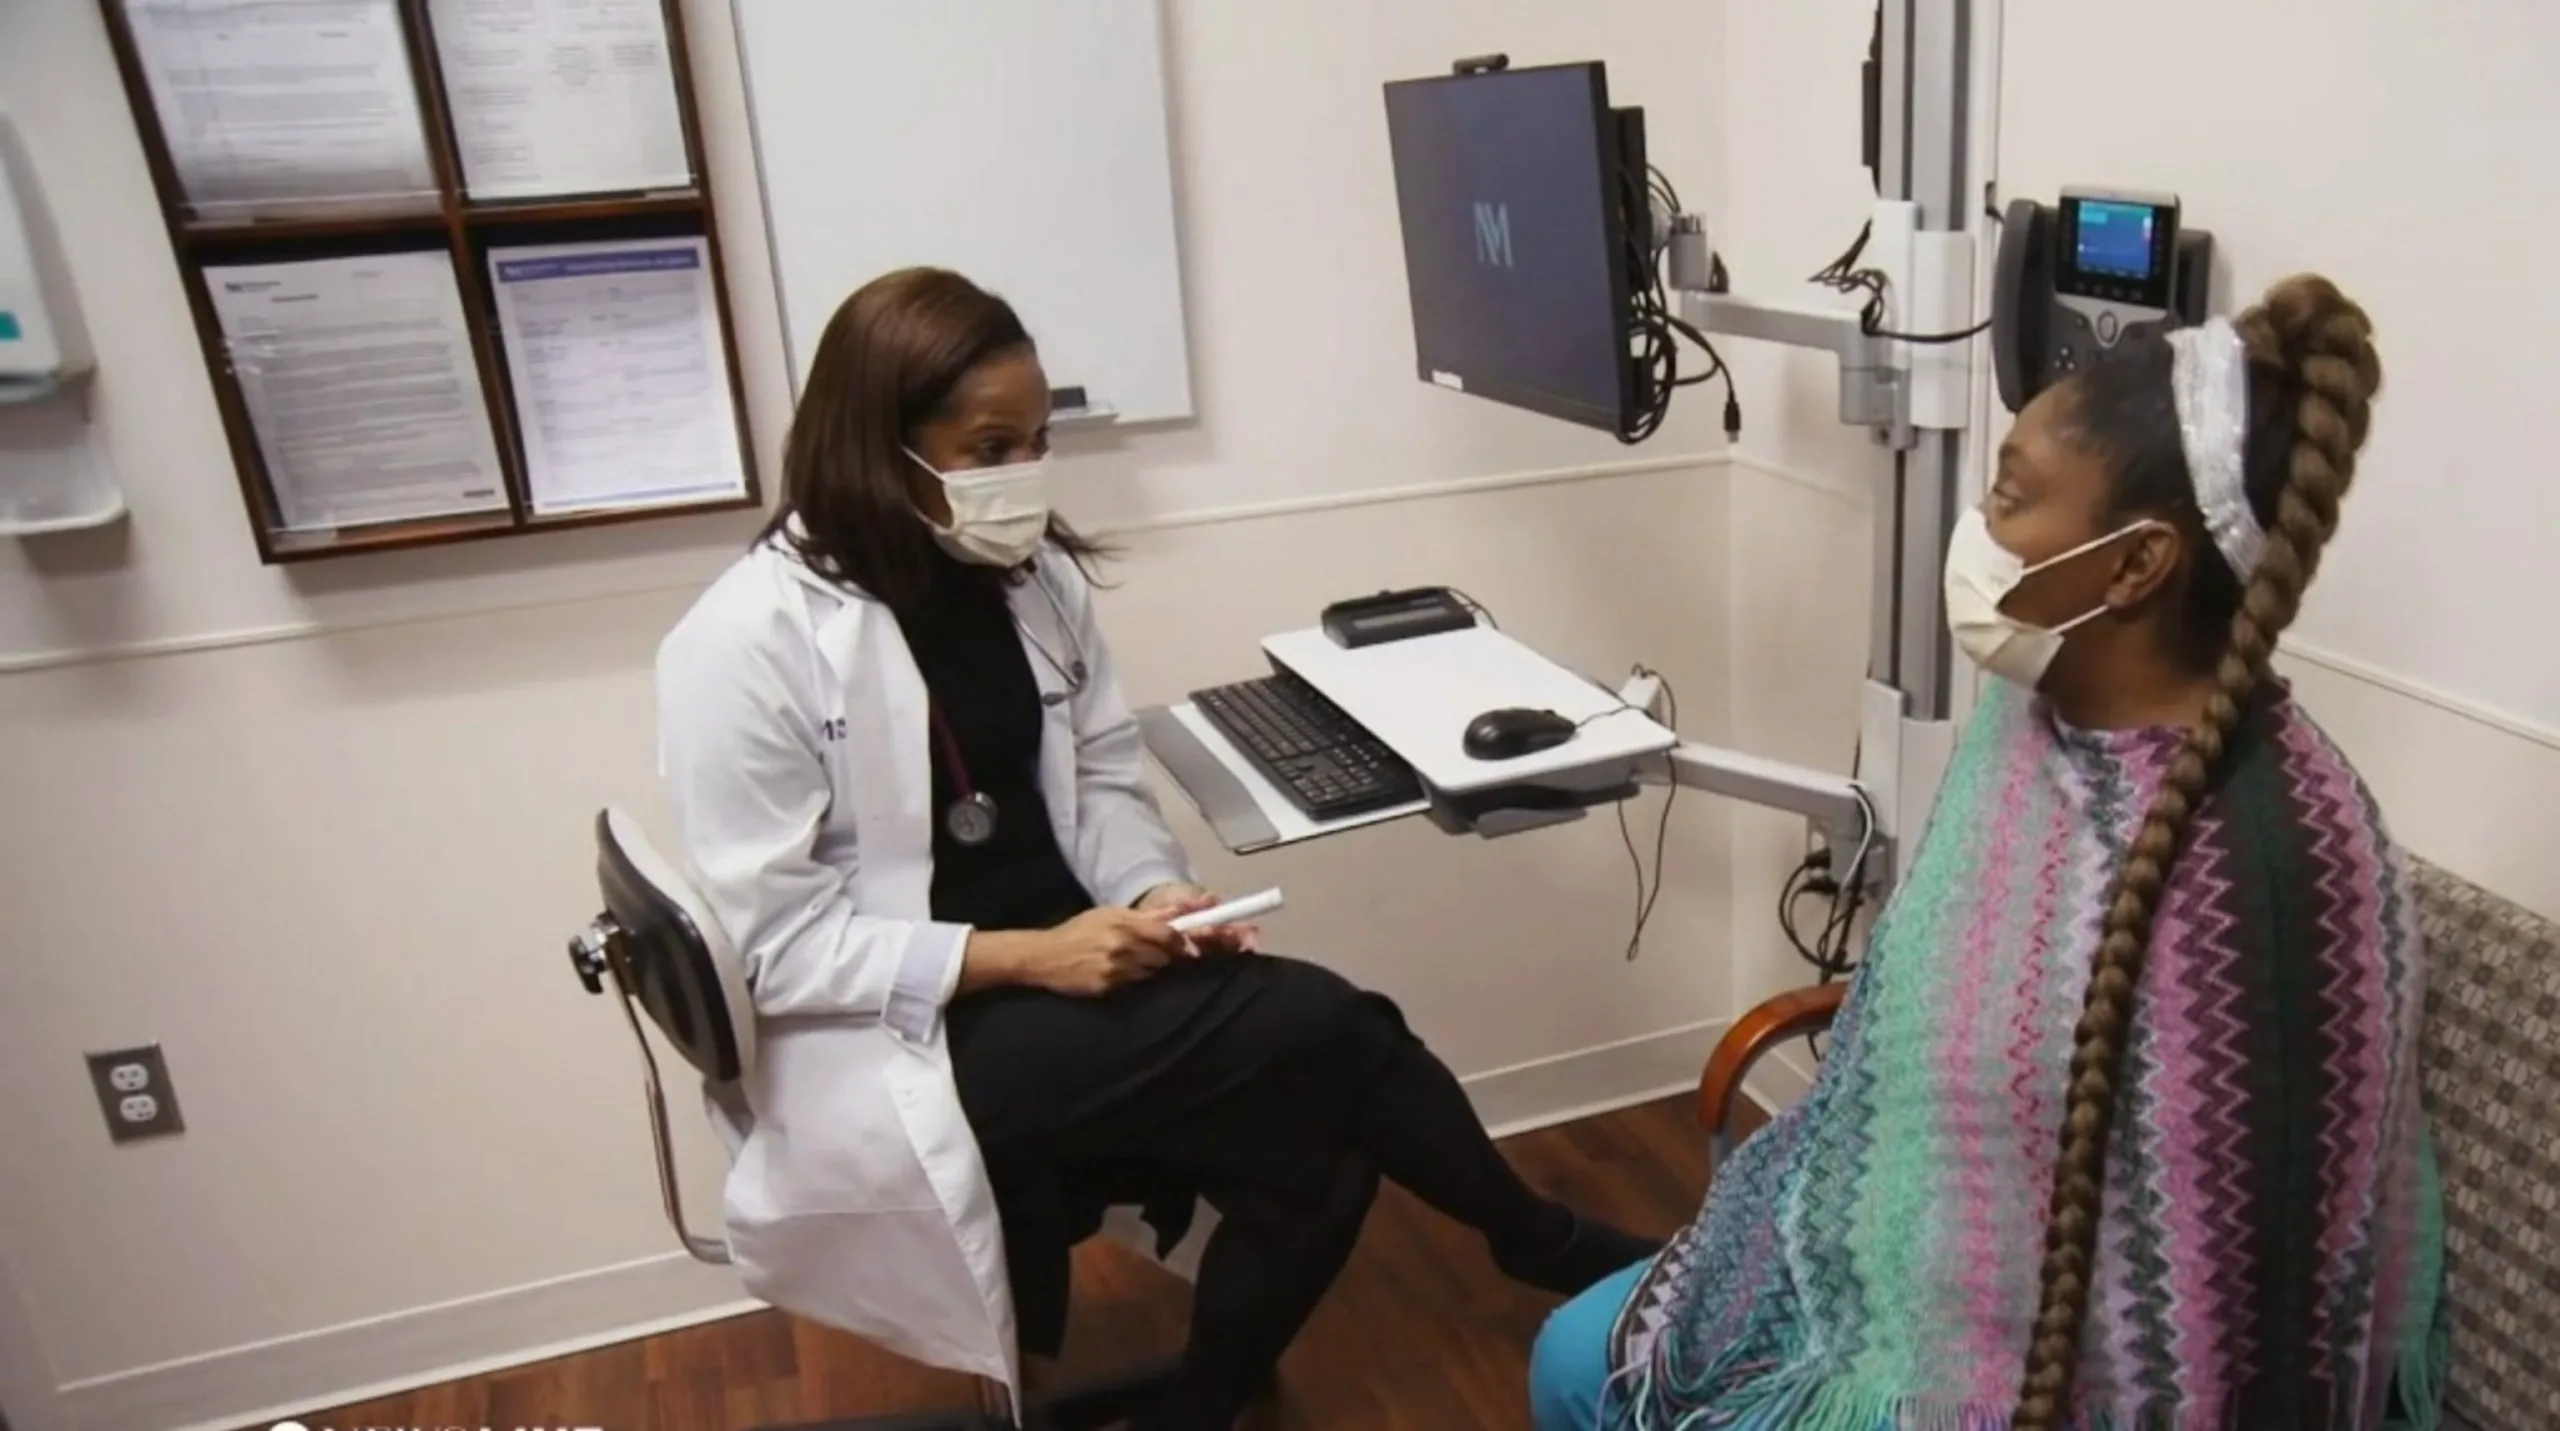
(1275, 1089)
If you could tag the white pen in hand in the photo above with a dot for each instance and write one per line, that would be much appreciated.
(1234, 911)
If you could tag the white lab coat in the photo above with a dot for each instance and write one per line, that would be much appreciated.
(794, 740)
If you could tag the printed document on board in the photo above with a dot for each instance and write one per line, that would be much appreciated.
(621, 376)
(277, 108)
(561, 96)
(360, 380)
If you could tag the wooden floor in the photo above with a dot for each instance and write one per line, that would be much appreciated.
(1421, 1333)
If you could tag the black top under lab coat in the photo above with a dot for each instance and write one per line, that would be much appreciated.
(987, 696)
(1239, 1076)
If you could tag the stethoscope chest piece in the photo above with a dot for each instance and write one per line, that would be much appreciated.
(971, 819)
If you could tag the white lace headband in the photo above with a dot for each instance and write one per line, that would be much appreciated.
(2209, 376)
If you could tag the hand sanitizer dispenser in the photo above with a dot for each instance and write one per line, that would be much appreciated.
(41, 346)
(51, 477)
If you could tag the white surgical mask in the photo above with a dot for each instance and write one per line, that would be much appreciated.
(998, 514)
(1980, 575)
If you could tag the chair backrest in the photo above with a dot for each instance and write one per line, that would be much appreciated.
(659, 947)
(2491, 1064)
(676, 960)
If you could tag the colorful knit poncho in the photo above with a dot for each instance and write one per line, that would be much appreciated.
(2270, 1251)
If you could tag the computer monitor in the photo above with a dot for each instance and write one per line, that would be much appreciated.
(1515, 193)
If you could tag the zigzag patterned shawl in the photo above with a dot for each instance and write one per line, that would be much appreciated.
(2271, 1246)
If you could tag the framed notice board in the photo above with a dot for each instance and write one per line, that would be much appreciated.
(453, 264)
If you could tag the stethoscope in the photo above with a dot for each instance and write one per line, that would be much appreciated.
(1072, 670)
(970, 818)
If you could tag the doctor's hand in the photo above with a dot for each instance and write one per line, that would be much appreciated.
(1089, 955)
(1172, 901)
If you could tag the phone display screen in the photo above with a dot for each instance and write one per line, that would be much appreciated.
(2116, 250)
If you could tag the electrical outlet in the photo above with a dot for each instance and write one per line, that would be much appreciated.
(135, 1094)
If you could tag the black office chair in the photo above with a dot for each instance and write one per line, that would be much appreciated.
(662, 950)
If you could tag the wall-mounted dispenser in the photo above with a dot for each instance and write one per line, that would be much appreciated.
(51, 478)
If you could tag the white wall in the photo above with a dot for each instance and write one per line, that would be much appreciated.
(1802, 484)
(326, 844)
(2399, 149)
(29, 1399)
(2426, 193)
(2394, 150)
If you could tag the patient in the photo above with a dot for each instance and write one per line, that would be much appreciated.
(2212, 1203)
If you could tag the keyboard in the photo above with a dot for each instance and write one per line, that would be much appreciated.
(1328, 764)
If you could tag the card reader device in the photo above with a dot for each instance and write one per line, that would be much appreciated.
(1396, 616)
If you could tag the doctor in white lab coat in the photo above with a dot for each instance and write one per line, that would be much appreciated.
(905, 778)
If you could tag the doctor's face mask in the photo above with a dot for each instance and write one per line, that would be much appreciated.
(921, 392)
(988, 458)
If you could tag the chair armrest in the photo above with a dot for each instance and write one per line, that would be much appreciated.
(1790, 1015)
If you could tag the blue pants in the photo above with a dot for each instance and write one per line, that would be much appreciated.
(1570, 1364)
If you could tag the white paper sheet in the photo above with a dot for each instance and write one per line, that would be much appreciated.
(561, 96)
(285, 107)
(621, 379)
(359, 377)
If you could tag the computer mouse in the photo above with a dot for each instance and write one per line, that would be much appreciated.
(1514, 731)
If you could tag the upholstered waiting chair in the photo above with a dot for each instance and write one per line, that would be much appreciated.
(2489, 1060)
(658, 947)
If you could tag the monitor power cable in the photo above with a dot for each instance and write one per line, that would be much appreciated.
(1657, 329)
(1477, 607)
(1648, 888)
(1828, 948)
(1648, 891)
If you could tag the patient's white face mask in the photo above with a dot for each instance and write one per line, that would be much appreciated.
(998, 514)
(1980, 575)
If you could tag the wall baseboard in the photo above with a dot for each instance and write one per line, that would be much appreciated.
(1586, 1084)
(384, 1356)
(1779, 1081)
(28, 1398)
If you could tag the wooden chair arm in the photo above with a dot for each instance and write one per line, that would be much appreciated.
(1790, 1015)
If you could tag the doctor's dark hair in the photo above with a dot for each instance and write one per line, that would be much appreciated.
(889, 361)
(2313, 375)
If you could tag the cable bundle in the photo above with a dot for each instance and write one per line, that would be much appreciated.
(1842, 275)
(1829, 950)
(1658, 330)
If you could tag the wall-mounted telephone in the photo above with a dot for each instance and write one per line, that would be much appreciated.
(2081, 276)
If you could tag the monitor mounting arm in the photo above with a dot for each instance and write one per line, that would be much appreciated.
(1918, 401)
(1870, 391)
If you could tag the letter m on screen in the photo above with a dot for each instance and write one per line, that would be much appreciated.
(1493, 234)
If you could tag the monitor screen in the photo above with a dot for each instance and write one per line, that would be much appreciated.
(1510, 189)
